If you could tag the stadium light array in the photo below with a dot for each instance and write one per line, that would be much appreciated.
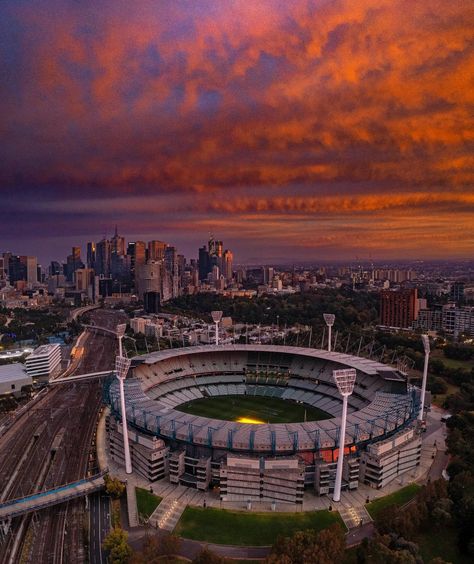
(120, 332)
(122, 366)
(345, 380)
(216, 317)
(426, 346)
(329, 318)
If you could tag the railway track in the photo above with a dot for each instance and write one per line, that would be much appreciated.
(55, 535)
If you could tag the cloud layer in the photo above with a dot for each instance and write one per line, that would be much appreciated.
(321, 128)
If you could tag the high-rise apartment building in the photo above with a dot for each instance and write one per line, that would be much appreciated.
(228, 263)
(137, 252)
(204, 263)
(102, 259)
(91, 251)
(156, 250)
(171, 267)
(149, 278)
(398, 308)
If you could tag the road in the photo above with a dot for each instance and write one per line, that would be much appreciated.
(99, 526)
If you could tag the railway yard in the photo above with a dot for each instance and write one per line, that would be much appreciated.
(51, 444)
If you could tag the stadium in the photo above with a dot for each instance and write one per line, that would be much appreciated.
(263, 421)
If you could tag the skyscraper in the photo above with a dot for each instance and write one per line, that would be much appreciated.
(228, 263)
(91, 250)
(204, 263)
(156, 250)
(137, 252)
(102, 259)
(398, 308)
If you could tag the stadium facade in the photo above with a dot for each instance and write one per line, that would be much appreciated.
(276, 462)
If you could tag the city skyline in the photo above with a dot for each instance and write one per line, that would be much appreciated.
(303, 131)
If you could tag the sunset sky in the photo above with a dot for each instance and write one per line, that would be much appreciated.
(293, 130)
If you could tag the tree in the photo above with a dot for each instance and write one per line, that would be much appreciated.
(310, 547)
(206, 556)
(113, 486)
(117, 547)
(154, 548)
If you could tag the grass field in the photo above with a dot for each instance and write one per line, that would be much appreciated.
(256, 409)
(249, 529)
(397, 498)
(146, 502)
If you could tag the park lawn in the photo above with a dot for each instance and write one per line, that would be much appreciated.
(259, 408)
(442, 544)
(399, 498)
(146, 502)
(452, 362)
(439, 399)
(221, 526)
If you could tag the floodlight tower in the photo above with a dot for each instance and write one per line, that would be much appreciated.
(122, 365)
(345, 380)
(426, 346)
(329, 318)
(216, 317)
(120, 332)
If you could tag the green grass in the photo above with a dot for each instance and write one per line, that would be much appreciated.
(146, 502)
(440, 543)
(264, 409)
(399, 498)
(248, 529)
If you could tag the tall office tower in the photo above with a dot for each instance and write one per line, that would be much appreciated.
(228, 263)
(3, 272)
(156, 250)
(204, 263)
(456, 292)
(398, 308)
(73, 263)
(117, 244)
(91, 255)
(55, 268)
(118, 265)
(268, 274)
(6, 261)
(171, 267)
(137, 252)
(102, 258)
(84, 279)
(32, 270)
(149, 278)
(17, 268)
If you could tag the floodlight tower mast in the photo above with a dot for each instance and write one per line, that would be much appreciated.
(216, 317)
(329, 318)
(426, 346)
(121, 369)
(120, 332)
(345, 380)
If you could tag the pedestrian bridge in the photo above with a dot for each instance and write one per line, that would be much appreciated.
(81, 377)
(100, 330)
(35, 502)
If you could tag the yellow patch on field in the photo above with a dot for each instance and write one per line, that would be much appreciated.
(249, 420)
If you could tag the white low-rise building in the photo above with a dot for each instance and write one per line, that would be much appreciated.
(13, 377)
(44, 361)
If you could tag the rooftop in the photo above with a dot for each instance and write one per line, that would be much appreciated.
(12, 372)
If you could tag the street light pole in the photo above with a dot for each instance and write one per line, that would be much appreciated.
(216, 317)
(426, 346)
(329, 318)
(122, 366)
(345, 380)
